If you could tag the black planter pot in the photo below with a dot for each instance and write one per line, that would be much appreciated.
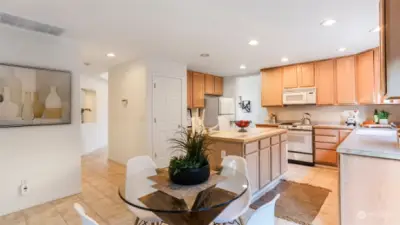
(190, 176)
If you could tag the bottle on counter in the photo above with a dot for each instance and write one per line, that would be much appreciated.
(376, 117)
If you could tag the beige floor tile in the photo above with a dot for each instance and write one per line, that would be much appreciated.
(17, 218)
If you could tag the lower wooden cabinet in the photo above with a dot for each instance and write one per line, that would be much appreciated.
(275, 161)
(328, 157)
(265, 166)
(253, 168)
(284, 157)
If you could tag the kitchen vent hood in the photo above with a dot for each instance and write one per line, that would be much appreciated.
(390, 42)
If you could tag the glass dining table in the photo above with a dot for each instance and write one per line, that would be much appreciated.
(183, 205)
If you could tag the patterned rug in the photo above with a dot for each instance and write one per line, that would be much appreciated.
(299, 203)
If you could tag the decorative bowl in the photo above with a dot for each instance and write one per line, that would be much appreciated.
(242, 124)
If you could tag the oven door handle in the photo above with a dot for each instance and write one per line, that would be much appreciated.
(298, 133)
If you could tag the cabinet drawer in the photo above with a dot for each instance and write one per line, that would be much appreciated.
(265, 143)
(283, 137)
(343, 134)
(327, 139)
(326, 132)
(328, 146)
(325, 157)
(251, 147)
(275, 140)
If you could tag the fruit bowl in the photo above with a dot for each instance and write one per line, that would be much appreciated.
(242, 124)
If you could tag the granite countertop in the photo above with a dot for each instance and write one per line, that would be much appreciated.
(253, 134)
(381, 145)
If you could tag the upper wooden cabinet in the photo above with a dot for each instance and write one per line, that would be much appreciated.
(306, 75)
(218, 85)
(365, 78)
(198, 90)
(346, 80)
(271, 87)
(325, 82)
(299, 76)
(213, 85)
(209, 84)
(290, 77)
(189, 80)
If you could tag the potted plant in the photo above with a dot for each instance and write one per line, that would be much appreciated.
(383, 117)
(190, 166)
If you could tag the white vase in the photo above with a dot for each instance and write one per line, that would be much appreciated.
(27, 107)
(384, 121)
(53, 101)
(8, 109)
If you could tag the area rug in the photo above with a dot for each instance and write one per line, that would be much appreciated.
(299, 203)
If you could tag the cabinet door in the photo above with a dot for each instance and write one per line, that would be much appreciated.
(379, 91)
(253, 168)
(198, 90)
(209, 84)
(218, 85)
(307, 75)
(265, 166)
(290, 77)
(189, 80)
(327, 157)
(271, 91)
(325, 82)
(275, 161)
(346, 80)
(284, 157)
(365, 78)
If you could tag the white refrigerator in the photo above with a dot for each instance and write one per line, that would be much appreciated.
(218, 106)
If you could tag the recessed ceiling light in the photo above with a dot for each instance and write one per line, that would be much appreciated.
(110, 55)
(284, 59)
(243, 67)
(376, 29)
(342, 49)
(253, 42)
(205, 55)
(328, 22)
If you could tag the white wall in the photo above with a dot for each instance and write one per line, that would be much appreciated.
(249, 87)
(95, 135)
(48, 157)
(130, 127)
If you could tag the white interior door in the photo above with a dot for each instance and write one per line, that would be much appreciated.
(167, 116)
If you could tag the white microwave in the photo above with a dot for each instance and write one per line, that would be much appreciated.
(300, 96)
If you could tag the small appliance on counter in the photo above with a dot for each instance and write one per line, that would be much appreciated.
(352, 119)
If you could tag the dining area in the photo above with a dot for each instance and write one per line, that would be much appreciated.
(182, 194)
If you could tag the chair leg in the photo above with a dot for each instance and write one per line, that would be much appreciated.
(136, 221)
(241, 220)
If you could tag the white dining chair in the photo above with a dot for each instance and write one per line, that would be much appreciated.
(233, 213)
(86, 220)
(265, 214)
(141, 167)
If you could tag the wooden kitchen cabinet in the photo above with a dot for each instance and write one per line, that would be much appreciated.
(253, 170)
(189, 80)
(290, 77)
(306, 75)
(346, 80)
(325, 82)
(209, 84)
(198, 90)
(365, 78)
(218, 85)
(265, 166)
(271, 91)
(275, 161)
(284, 157)
(327, 157)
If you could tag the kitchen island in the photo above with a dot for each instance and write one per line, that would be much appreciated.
(265, 151)
(369, 178)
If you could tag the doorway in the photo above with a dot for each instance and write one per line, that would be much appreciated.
(167, 116)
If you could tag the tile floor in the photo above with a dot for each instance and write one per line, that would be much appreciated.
(101, 177)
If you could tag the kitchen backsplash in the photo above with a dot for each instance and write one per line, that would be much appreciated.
(331, 114)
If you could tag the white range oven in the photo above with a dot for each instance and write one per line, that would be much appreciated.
(300, 144)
